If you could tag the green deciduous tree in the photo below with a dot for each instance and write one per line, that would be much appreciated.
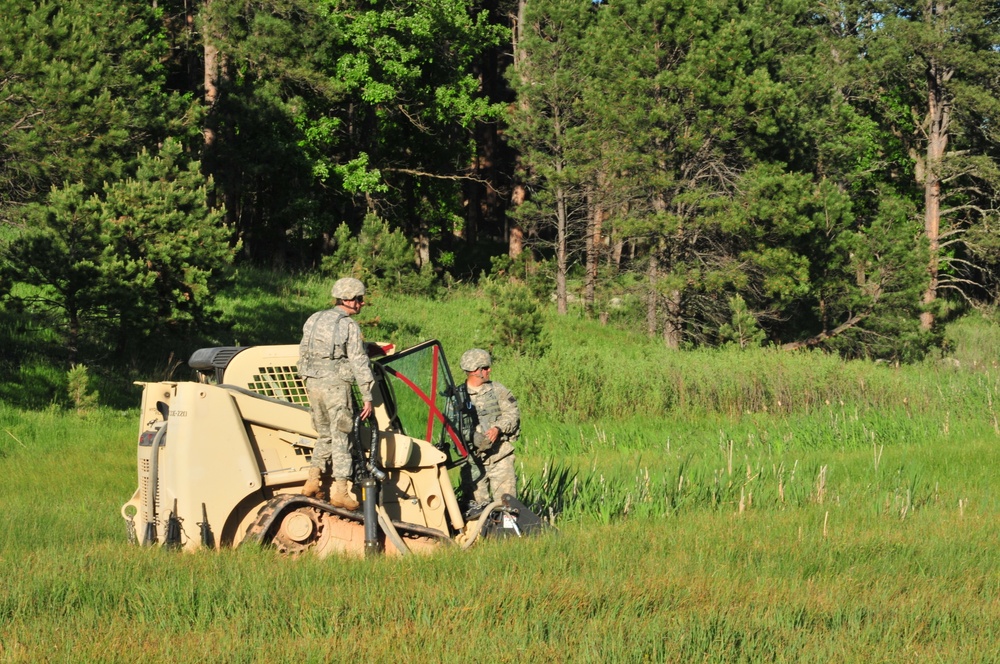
(409, 70)
(335, 110)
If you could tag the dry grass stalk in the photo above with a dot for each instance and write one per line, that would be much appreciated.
(821, 485)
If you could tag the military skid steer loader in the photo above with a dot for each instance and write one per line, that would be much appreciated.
(222, 460)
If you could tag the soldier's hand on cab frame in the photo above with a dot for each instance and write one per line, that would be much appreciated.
(366, 411)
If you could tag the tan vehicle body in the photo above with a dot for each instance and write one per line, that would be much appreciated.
(222, 463)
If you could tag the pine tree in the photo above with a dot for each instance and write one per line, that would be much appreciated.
(82, 91)
(547, 127)
(145, 258)
(930, 73)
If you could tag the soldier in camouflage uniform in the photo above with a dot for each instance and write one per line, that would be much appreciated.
(331, 358)
(497, 424)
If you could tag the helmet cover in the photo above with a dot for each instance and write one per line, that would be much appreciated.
(473, 359)
(347, 288)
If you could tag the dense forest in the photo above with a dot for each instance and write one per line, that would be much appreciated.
(786, 172)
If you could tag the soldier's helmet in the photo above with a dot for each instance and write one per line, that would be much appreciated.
(477, 358)
(347, 288)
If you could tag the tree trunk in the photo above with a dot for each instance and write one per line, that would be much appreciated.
(515, 240)
(213, 64)
(473, 207)
(562, 262)
(594, 243)
(588, 284)
(515, 234)
(422, 245)
(73, 332)
(616, 254)
(671, 322)
(938, 120)
(211, 80)
(651, 276)
(517, 32)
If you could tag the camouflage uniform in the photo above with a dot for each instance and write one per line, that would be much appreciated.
(495, 406)
(331, 358)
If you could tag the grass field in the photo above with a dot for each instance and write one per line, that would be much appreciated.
(711, 506)
(852, 577)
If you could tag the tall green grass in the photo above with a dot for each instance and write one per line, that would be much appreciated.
(798, 587)
(711, 506)
(709, 547)
(599, 371)
(735, 478)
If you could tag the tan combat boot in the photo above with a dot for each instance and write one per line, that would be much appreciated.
(341, 497)
(312, 485)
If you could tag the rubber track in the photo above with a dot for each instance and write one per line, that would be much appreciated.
(268, 517)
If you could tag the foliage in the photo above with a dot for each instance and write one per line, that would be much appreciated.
(80, 393)
(707, 139)
(527, 268)
(548, 129)
(145, 258)
(84, 91)
(171, 251)
(850, 272)
(832, 166)
(338, 110)
(514, 320)
(742, 330)
(380, 257)
(691, 100)
(926, 78)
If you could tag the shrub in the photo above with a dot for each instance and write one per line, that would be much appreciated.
(78, 387)
(380, 257)
(514, 319)
(742, 330)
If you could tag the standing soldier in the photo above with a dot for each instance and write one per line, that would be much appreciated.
(331, 358)
(495, 425)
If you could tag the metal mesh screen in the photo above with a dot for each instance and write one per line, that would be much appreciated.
(280, 383)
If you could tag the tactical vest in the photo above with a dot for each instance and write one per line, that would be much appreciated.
(487, 407)
(321, 344)
(488, 412)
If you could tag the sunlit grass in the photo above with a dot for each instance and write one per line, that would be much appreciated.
(894, 553)
(796, 586)
(710, 505)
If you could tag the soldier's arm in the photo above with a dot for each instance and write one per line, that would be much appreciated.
(358, 359)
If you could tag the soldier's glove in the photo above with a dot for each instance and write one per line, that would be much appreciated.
(481, 442)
